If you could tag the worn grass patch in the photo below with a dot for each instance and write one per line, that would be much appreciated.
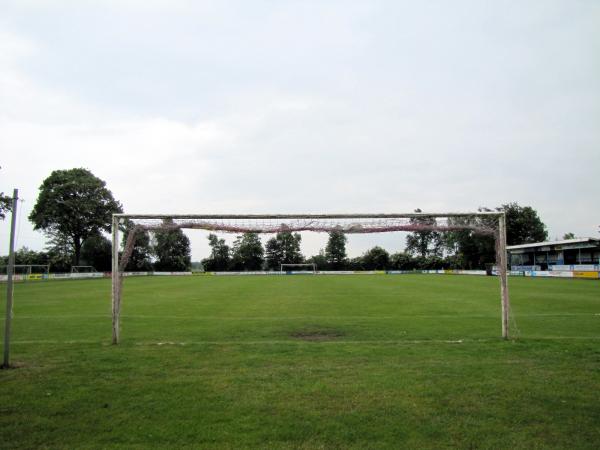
(317, 334)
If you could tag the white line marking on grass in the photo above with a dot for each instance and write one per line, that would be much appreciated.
(302, 341)
(265, 342)
(63, 316)
(367, 342)
(50, 341)
(305, 342)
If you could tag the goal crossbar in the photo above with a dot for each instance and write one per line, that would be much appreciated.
(487, 223)
(308, 216)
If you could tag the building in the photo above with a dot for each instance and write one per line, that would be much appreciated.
(546, 255)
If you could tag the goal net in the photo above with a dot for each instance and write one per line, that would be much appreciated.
(306, 268)
(83, 269)
(486, 223)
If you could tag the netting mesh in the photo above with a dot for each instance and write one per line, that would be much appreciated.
(357, 224)
(347, 225)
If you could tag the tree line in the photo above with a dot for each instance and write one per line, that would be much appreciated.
(74, 209)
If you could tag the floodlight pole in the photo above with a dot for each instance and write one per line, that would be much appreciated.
(502, 269)
(9, 286)
(116, 285)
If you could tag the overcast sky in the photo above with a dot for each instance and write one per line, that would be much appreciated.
(306, 106)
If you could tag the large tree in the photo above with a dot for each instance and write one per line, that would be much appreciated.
(248, 252)
(172, 250)
(335, 251)
(284, 248)
(220, 257)
(523, 225)
(474, 251)
(74, 204)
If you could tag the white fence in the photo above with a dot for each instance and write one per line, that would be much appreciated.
(53, 276)
(82, 275)
(590, 272)
(575, 267)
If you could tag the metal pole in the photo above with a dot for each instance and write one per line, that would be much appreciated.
(503, 275)
(9, 287)
(116, 294)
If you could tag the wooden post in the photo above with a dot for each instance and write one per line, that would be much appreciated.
(116, 285)
(502, 268)
(9, 284)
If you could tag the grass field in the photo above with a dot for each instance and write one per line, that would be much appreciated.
(409, 361)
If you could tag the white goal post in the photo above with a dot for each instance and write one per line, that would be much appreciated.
(488, 223)
(29, 270)
(313, 266)
(82, 269)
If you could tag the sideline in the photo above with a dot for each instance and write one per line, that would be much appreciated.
(296, 341)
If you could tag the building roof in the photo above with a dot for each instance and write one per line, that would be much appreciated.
(553, 243)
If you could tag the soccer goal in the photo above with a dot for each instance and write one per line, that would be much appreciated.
(312, 268)
(83, 269)
(29, 271)
(484, 223)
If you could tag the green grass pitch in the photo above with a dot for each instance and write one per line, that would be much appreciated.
(406, 361)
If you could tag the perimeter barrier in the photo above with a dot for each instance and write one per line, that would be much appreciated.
(555, 273)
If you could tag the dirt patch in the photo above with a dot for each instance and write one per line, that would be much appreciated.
(317, 335)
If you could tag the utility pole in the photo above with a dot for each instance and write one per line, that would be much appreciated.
(9, 284)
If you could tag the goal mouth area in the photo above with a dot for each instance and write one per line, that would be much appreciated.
(491, 223)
